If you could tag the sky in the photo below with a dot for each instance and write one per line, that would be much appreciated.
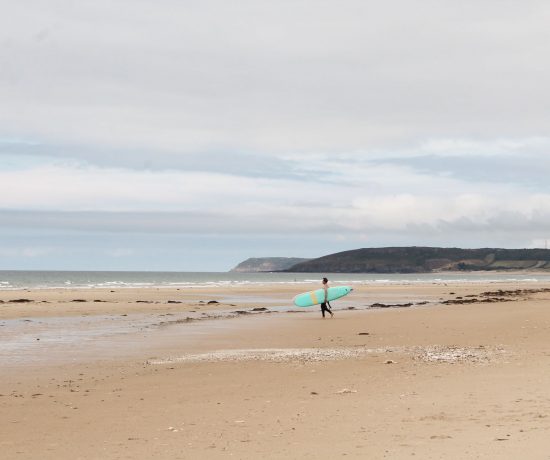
(191, 135)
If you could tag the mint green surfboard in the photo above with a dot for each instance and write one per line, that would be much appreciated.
(307, 299)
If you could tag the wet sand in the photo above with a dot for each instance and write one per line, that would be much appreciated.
(450, 376)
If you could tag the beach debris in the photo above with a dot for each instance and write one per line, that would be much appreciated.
(513, 293)
(455, 354)
(363, 333)
(344, 391)
(212, 302)
(97, 300)
(187, 319)
(495, 296)
(431, 354)
(174, 301)
(259, 309)
(313, 393)
(239, 421)
(78, 300)
(20, 300)
(278, 355)
(395, 305)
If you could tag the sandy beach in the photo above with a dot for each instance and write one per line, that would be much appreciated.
(429, 371)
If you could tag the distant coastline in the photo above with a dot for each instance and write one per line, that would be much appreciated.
(267, 264)
(414, 259)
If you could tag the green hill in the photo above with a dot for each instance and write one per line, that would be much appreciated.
(425, 259)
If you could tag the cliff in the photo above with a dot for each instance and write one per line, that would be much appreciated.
(267, 264)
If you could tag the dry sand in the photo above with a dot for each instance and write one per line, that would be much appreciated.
(170, 381)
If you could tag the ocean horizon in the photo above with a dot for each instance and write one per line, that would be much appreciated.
(59, 279)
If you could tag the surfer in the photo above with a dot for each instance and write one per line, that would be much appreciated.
(325, 306)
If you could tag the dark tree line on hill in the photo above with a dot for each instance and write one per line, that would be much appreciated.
(425, 259)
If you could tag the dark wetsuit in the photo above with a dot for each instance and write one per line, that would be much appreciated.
(325, 306)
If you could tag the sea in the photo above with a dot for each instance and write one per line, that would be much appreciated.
(18, 279)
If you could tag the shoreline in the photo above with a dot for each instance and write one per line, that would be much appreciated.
(19, 303)
(34, 331)
(183, 281)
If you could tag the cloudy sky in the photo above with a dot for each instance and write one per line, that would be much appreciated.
(190, 135)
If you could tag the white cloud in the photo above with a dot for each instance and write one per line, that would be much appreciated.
(270, 77)
(361, 120)
(102, 189)
(26, 252)
(121, 252)
(336, 198)
(464, 147)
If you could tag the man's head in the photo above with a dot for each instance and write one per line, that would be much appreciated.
(325, 280)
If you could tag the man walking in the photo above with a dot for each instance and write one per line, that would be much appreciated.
(325, 306)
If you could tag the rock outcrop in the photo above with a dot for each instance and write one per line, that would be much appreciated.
(267, 264)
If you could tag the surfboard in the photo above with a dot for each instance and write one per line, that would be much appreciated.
(307, 299)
